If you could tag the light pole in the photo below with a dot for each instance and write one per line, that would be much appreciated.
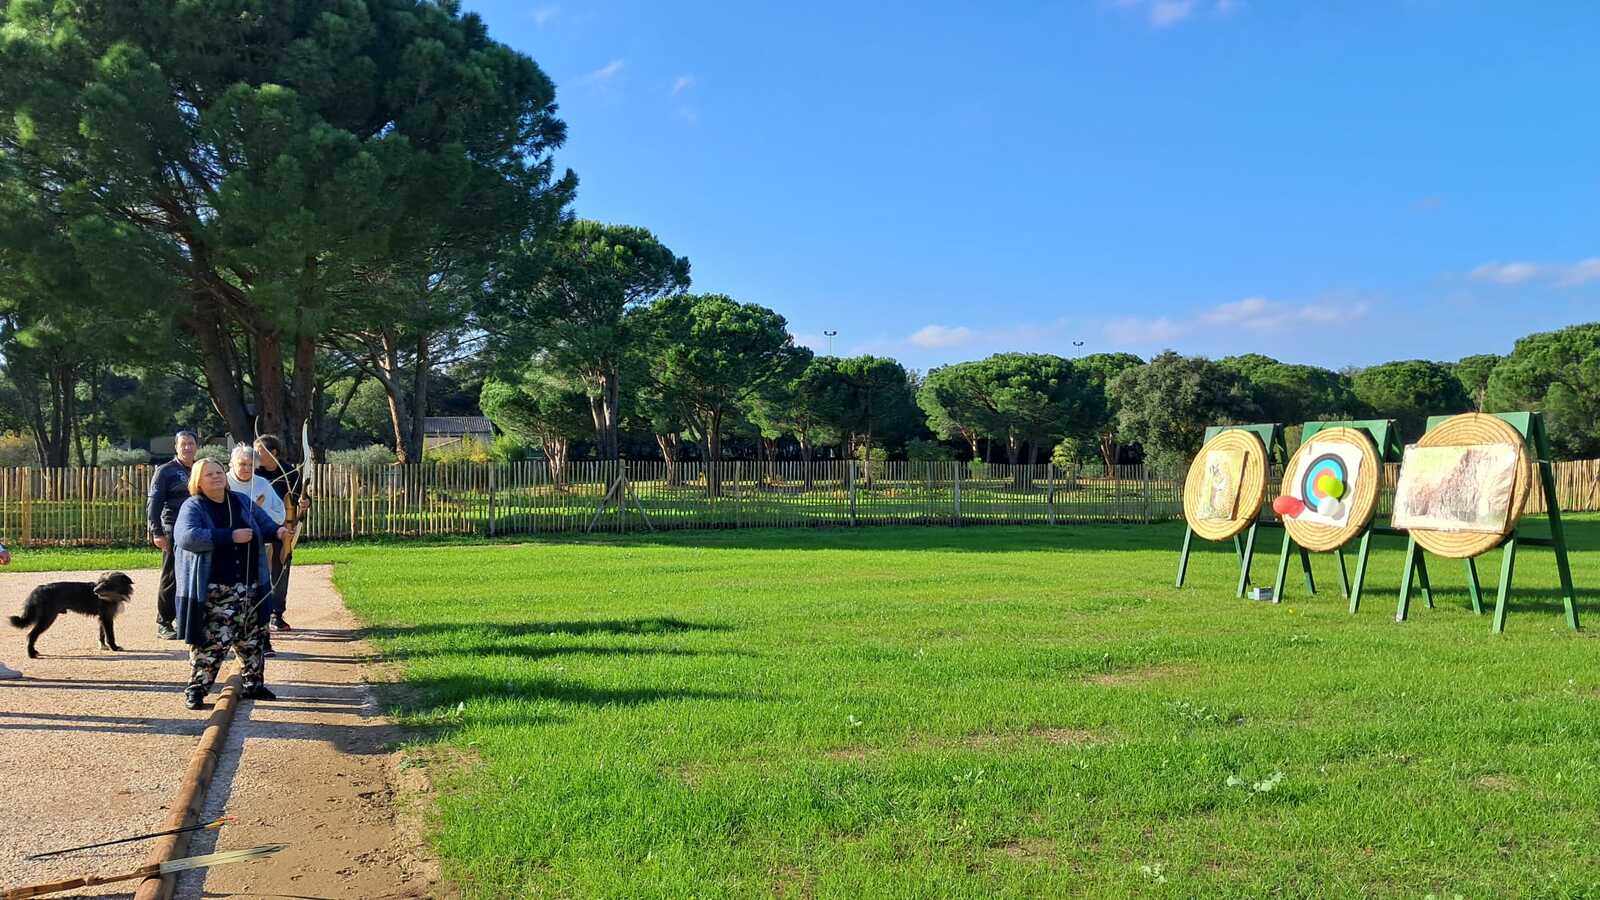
(1076, 346)
(830, 335)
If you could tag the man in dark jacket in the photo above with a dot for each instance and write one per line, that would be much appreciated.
(169, 488)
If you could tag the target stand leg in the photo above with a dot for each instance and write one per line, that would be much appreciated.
(1247, 555)
(1507, 566)
(1361, 571)
(1422, 577)
(1183, 558)
(1305, 566)
(1282, 575)
(1413, 560)
(1344, 574)
(1473, 590)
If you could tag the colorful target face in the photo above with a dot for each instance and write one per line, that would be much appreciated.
(1314, 488)
(1327, 472)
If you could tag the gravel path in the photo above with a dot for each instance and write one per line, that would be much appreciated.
(94, 746)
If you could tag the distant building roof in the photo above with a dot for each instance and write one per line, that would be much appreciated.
(456, 425)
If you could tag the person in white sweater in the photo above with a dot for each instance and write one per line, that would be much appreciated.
(242, 479)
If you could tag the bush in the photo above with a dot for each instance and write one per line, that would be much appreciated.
(875, 463)
(17, 451)
(919, 450)
(464, 450)
(508, 449)
(116, 456)
(215, 452)
(373, 455)
(1067, 456)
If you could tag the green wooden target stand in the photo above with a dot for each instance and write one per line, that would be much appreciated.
(1531, 426)
(1386, 437)
(1271, 435)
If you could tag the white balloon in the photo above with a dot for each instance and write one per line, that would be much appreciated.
(1330, 507)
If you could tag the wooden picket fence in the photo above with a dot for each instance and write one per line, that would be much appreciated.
(106, 506)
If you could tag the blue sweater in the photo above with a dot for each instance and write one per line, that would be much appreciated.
(193, 537)
(169, 488)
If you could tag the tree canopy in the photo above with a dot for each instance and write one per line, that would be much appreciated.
(1409, 392)
(1166, 404)
(1557, 372)
(244, 166)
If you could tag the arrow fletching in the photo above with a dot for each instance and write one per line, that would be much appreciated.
(220, 859)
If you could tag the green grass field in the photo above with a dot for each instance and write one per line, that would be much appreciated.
(981, 712)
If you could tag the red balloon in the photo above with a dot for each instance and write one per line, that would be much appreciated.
(1288, 506)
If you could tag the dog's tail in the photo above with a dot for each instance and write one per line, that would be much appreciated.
(30, 612)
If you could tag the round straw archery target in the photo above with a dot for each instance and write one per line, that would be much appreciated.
(1359, 496)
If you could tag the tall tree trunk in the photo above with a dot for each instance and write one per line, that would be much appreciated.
(555, 454)
(771, 470)
(806, 454)
(1109, 451)
(389, 375)
(671, 450)
(714, 455)
(603, 408)
(302, 396)
(271, 396)
(222, 383)
(419, 398)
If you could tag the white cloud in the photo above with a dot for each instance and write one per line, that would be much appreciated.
(1563, 275)
(1254, 314)
(683, 83)
(543, 15)
(1506, 273)
(1582, 272)
(1166, 13)
(608, 72)
(1137, 331)
(1261, 314)
(931, 337)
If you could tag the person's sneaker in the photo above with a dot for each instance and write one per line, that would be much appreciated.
(266, 649)
(7, 673)
(194, 700)
(258, 692)
(166, 632)
(278, 624)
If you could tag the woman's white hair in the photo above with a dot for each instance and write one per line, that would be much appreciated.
(242, 450)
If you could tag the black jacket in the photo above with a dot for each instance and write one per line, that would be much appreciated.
(169, 488)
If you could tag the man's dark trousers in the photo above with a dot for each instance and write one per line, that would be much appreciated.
(167, 595)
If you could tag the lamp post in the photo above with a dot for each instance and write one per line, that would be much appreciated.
(830, 335)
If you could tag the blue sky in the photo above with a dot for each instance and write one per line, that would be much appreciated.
(1338, 184)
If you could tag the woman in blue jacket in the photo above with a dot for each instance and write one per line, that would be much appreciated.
(221, 540)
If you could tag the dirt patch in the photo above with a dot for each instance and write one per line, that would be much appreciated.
(1068, 737)
(1145, 675)
(1010, 740)
(93, 744)
(1029, 849)
(1499, 783)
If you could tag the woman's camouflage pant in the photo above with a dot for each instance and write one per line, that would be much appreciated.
(230, 622)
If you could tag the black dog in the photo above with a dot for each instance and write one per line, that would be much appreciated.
(104, 598)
